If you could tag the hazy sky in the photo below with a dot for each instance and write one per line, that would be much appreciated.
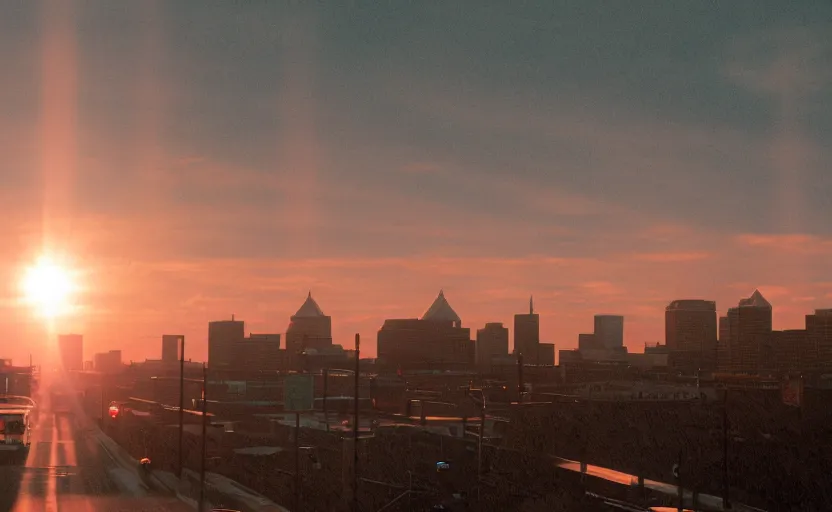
(194, 159)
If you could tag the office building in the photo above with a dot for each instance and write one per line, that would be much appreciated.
(309, 327)
(749, 326)
(492, 341)
(546, 354)
(170, 347)
(260, 353)
(819, 328)
(527, 334)
(587, 341)
(223, 338)
(71, 350)
(609, 331)
(691, 334)
(434, 342)
(108, 362)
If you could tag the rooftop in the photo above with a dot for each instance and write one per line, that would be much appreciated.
(755, 301)
(309, 309)
(440, 310)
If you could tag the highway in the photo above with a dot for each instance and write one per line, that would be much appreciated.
(69, 470)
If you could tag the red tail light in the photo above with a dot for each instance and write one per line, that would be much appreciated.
(114, 411)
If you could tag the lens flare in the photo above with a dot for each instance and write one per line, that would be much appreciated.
(48, 287)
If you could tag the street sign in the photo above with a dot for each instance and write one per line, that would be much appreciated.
(299, 393)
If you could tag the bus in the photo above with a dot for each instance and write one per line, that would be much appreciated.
(15, 431)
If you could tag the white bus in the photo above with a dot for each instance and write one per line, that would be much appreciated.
(15, 431)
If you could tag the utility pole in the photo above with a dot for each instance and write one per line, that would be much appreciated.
(204, 436)
(520, 386)
(726, 503)
(326, 392)
(355, 425)
(681, 490)
(181, 400)
(297, 460)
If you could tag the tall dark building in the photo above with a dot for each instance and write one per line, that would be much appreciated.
(436, 341)
(170, 347)
(609, 331)
(527, 334)
(223, 336)
(691, 334)
(492, 340)
(749, 327)
(819, 329)
(71, 349)
(309, 327)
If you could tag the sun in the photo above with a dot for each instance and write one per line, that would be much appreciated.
(48, 287)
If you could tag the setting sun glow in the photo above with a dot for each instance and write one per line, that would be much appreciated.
(47, 287)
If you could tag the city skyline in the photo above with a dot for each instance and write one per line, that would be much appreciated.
(220, 160)
(370, 350)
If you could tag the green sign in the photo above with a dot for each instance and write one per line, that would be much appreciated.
(299, 393)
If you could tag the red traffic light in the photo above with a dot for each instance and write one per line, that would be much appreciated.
(114, 410)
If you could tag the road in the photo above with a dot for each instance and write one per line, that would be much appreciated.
(69, 470)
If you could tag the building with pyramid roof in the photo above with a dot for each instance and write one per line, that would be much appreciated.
(437, 341)
(748, 328)
(309, 328)
(441, 311)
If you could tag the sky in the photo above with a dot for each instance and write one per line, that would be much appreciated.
(196, 159)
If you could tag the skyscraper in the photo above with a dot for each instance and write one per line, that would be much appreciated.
(309, 327)
(691, 334)
(749, 327)
(609, 331)
(527, 334)
(435, 341)
(819, 328)
(492, 340)
(170, 347)
(222, 337)
(71, 349)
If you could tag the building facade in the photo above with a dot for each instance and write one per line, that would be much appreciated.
(437, 341)
(309, 327)
(527, 334)
(108, 362)
(492, 341)
(223, 338)
(71, 349)
(170, 347)
(691, 334)
(749, 329)
(819, 330)
(609, 331)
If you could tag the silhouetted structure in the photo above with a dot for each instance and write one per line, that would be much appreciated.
(609, 331)
(223, 339)
(308, 328)
(170, 348)
(492, 341)
(436, 341)
(749, 328)
(71, 349)
(527, 334)
(819, 329)
(691, 335)
(108, 362)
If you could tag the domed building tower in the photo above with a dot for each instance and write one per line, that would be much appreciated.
(308, 328)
